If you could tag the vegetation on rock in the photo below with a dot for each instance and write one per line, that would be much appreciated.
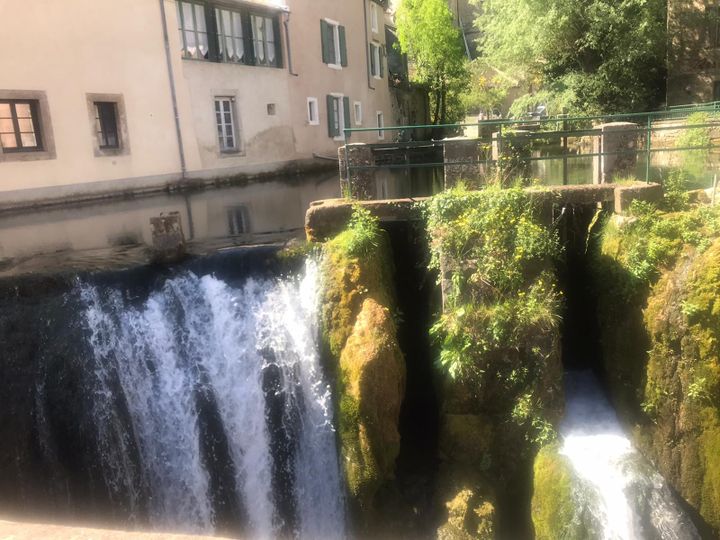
(658, 276)
(360, 335)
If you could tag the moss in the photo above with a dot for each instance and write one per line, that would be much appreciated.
(553, 506)
(360, 338)
(659, 278)
(470, 517)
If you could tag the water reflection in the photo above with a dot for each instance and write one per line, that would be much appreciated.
(118, 232)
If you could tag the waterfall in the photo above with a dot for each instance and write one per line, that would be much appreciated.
(626, 497)
(249, 353)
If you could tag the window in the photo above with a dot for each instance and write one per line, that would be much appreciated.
(20, 126)
(193, 30)
(377, 67)
(225, 119)
(230, 35)
(223, 34)
(106, 124)
(338, 115)
(358, 113)
(263, 32)
(271, 109)
(238, 220)
(374, 17)
(334, 49)
(312, 111)
(380, 124)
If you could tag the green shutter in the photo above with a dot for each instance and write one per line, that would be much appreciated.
(325, 42)
(343, 46)
(331, 117)
(346, 113)
(382, 61)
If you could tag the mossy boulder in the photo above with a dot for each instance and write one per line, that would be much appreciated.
(556, 511)
(361, 347)
(373, 378)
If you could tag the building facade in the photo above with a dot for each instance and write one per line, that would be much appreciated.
(102, 96)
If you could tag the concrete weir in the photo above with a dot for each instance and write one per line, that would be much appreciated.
(328, 217)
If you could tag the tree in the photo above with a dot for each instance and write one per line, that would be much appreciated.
(433, 44)
(594, 56)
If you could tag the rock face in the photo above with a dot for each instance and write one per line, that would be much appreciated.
(661, 353)
(682, 392)
(360, 337)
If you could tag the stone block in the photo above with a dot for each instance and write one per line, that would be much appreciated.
(619, 142)
(625, 195)
(361, 183)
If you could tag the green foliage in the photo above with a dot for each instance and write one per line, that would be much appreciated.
(694, 162)
(595, 56)
(427, 34)
(675, 195)
(362, 234)
(487, 89)
(654, 240)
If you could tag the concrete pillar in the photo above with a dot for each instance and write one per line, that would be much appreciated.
(167, 237)
(361, 184)
(462, 159)
(620, 141)
(511, 154)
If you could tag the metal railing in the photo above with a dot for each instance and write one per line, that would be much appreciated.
(547, 139)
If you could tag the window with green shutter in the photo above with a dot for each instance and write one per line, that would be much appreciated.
(334, 44)
(333, 115)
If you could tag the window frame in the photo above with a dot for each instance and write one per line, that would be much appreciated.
(316, 120)
(380, 120)
(108, 126)
(217, 35)
(343, 111)
(357, 106)
(42, 125)
(337, 45)
(234, 122)
(17, 132)
(374, 18)
(123, 138)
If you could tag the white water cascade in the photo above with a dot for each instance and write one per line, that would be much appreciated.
(199, 336)
(626, 497)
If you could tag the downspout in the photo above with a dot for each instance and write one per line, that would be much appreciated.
(367, 46)
(173, 93)
(286, 24)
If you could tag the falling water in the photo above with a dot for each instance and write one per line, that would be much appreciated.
(252, 352)
(626, 497)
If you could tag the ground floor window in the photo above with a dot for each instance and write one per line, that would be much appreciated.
(226, 125)
(338, 109)
(381, 124)
(106, 124)
(20, 126)
(312, 111)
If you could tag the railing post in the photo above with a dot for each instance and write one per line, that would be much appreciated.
(648, 142)
(565, 151)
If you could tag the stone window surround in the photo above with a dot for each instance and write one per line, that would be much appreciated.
(123, 136)
(46, 131)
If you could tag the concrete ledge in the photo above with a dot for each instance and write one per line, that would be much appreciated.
(326, 218)
(625, 195)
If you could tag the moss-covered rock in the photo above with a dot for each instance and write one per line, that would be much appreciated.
(470, 517)
(555, 510)
(360, 338)
(658, 277)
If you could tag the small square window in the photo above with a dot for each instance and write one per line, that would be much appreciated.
(225, 122)
(357, 106)
(313, 115)
(271, 109)
(106, 125)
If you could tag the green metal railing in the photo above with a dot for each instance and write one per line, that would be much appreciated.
(560, 129)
